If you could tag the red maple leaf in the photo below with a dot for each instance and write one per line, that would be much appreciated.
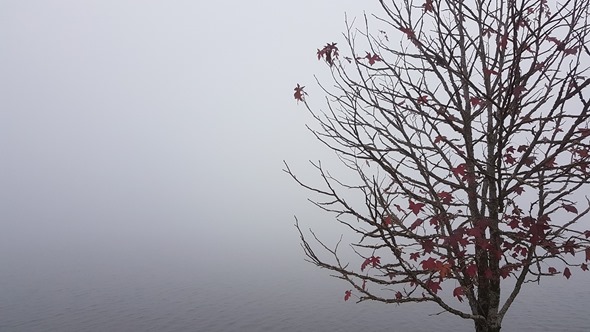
(519, 90)
(459, 171)
(587, 254)
(584, 267)
(567, 273)
(422, 99)
(414, 256)
(475, 101)
(552, 270)
(529, 160)
(555, 40)
(505, 271)
(347, 295)
(429, 264)
(329, 53)
(427, 6)
(427, 245)
(570, 208)
(445, 197)
(458, 292)
(487, 71)
(299, 93)
(433, 286)
(373, 261)
(416, 207)
(570, 51)
(503, 41)
(471, 270)
(387, 221)
(513, 223)
(416, 224)
(518, 190)
(372, 58)
(439, 139)
(509, 159)
(570, 246)
(584, 131)
(409, 32)
(398, 296)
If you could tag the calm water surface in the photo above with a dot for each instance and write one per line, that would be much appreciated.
(83, 286)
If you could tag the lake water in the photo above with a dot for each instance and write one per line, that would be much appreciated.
(85, 287)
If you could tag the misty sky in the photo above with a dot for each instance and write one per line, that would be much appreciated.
(148, 137)
(158, 127)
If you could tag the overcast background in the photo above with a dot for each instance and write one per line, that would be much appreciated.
(141, 182)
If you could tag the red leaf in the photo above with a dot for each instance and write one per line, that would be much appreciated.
(475, 101)
(567, 273)
(552, 270)
(347, 295)
(372, 58)
(427, 245)
(518, 190)
(471, 270)
(427, 6)
(445, 197)
(570, 51)
(429, 264)
(570, 208)
(433, 286)
(416, 224)
(398, 296)
(409, 32)
(518, 90)
(329, 53)
(459, 171)
(528, 161)
(570, 246)
(416, 207)
(509, 159)
(584, 267)
(387, 221)
(364, 284)
(422, 99)
(587, 254)
(487, 71)
(439, 139)
(373, 261)
(458, 292)
(414, 256)
(299, 93)
(503, 41)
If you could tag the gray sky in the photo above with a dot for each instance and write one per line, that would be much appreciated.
(157, 126)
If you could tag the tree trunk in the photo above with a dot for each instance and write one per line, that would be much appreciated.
(487, 327)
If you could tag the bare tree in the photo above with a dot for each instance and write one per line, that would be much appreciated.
(469, 138)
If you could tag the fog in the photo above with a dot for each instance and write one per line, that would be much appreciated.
(149, 136)
(142, 142)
